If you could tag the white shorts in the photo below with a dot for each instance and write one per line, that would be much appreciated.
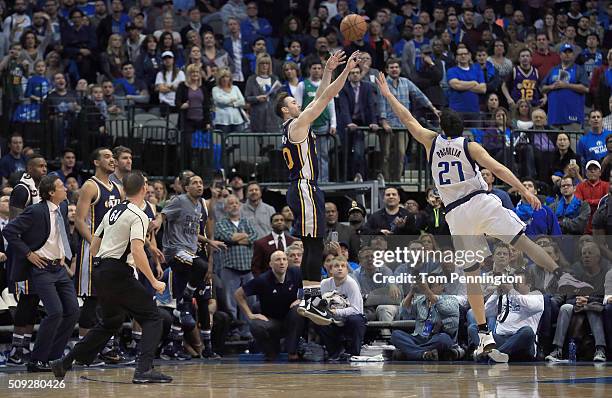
(482, 215)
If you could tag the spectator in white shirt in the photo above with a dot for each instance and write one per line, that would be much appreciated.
(168, 80)
(228, 102)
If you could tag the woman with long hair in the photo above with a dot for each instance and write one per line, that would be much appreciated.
(148, 62)
(228, 101)
(167, 82)
(55, 65)
(492, 104)
(521, 118)
(213, 56)
(259, 92)
(290, 30)
(193, 101)
(498, 58)
(114, 57)
(291, 81)
(32, 50)
(550, 28)
(166, 43)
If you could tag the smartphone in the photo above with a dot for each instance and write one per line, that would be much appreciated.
(334, 236)
(572, 161)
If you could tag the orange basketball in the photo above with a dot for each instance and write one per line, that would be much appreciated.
(353, 27)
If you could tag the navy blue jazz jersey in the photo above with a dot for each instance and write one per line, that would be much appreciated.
(304, 197)
(107, 198)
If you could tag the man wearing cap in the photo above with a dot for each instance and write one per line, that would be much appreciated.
(592, 146)
(356, 217)
(592, 189)
(566, 86)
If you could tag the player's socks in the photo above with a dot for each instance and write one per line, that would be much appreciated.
(188, 293)
(483, 328)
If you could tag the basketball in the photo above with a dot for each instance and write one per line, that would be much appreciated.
(353, 27)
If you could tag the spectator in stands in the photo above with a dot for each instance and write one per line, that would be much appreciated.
(491, 75)
(539, 222)
(357, 107)
(592, 189)
(165, 42)
(277, 294)
(591, 269)
(435, 214)
(563, 157)
(166, 83)
(133, 42)
(572, 213)
(489, 22)
(193, 100)
(79, 43)
(236, 46)
(517, 319)
(356, 217)
(131, 88)
(228, 101)
(294, 252)
(394, 144)
(293, 77)
(502, 195)
(320, 53)
(607, 121)
(566, 85)
(55, 64)
(113, 58)
(569, 39)
(277, 240)
(12, 74)
(523, 83)
(466, 83)
(195, 24)
(601, 87)
(592, 145)
(380, 47)
(591, 57)
(345, 337)
(259, 89)
(16, 24)
(392, 219)
(343, 233)
(239, 235)
(115, 22)
(427, 74)
(254, 26)
(256, 211)
(32, 50)
(437, 322)
(606, 163)
(68, 166)
(14, 160)
(498, 58)
(544, 149)
(115, 106)
(148, 63)
(213, 56)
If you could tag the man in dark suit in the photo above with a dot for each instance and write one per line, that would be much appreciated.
(264, 247)
(39, 241)
(357, 105)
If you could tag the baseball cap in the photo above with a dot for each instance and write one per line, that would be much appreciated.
(593, 163)
(566, 47)
(167, 54)
(357, 207)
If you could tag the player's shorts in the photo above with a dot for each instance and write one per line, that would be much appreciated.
(307, 202)
(84, 270)
(481, 215)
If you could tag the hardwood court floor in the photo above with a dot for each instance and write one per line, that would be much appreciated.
(245, 380)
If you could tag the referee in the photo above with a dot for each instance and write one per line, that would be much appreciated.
(122, 235)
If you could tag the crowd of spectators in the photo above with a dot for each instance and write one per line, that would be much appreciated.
(509, 68)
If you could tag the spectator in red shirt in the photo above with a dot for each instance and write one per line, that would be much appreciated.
(592, 189)
(543, 58)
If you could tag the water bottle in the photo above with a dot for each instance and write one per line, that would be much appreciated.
(572, 351)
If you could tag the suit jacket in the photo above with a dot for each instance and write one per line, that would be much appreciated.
(28, 232)
(262, 250)
(368, 109)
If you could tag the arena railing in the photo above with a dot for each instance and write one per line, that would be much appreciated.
(260, 156)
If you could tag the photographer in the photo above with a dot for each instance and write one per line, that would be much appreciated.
(437, 321)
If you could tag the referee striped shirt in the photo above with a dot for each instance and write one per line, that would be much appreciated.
(120, 225)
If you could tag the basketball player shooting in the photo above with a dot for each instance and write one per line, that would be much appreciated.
(304, 197)
(471, 212)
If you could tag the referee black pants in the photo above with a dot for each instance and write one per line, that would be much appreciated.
(120, 294)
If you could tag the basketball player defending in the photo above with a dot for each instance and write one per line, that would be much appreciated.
(470, 212)
(304, 197)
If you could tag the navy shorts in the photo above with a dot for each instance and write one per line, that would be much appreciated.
(307, 202)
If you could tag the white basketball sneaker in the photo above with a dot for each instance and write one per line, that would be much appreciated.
(486, 344)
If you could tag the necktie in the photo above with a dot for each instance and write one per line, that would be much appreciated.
(279, 243)
(59, 224)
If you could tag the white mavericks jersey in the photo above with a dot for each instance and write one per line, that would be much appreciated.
(453, 170)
